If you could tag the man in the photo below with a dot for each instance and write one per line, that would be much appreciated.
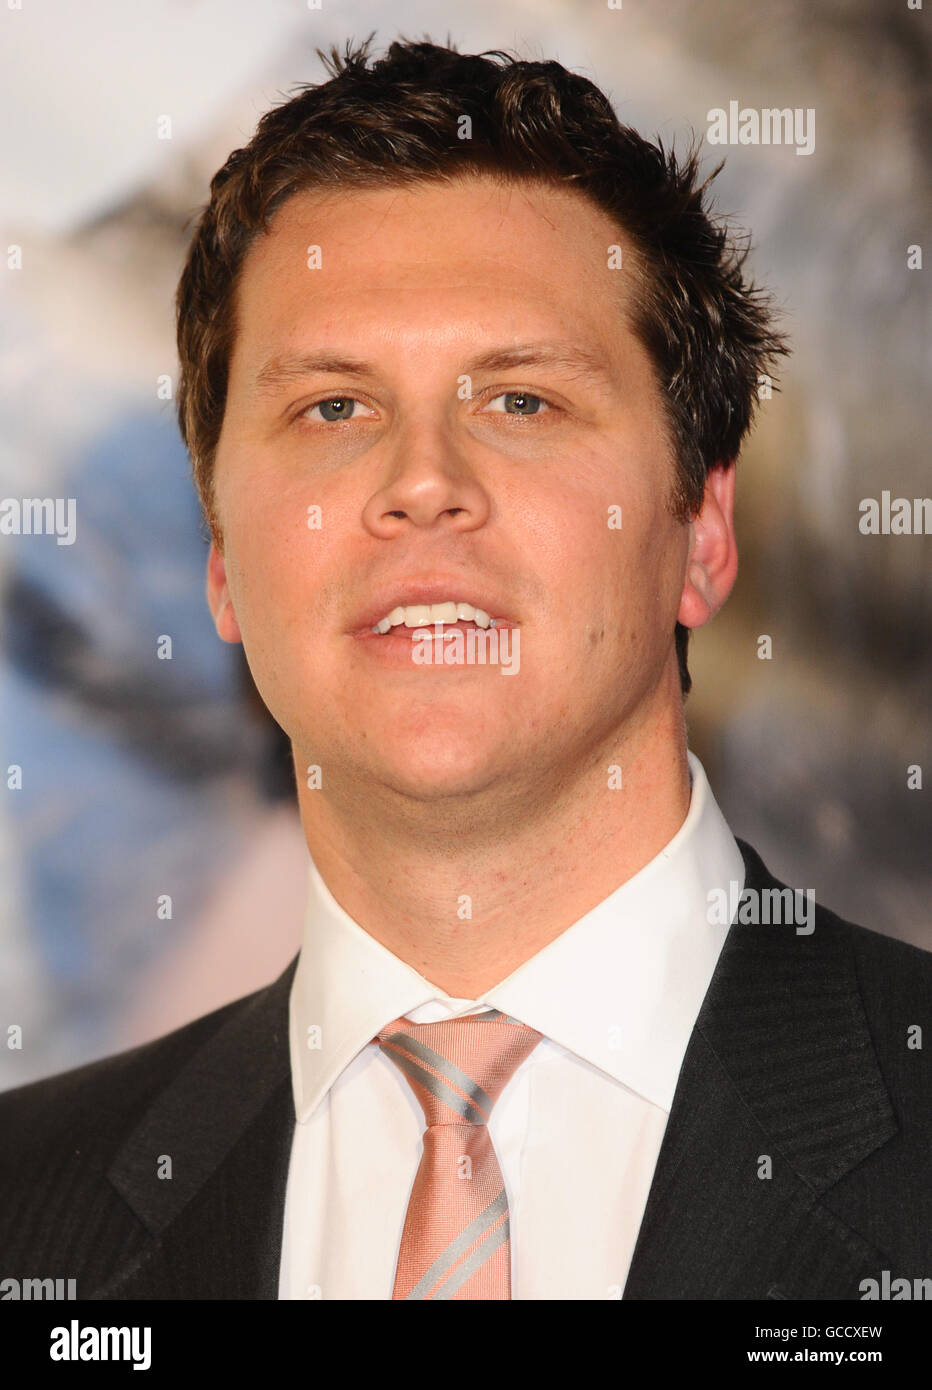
(463, 359)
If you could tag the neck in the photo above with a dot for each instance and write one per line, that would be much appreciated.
(466, 895)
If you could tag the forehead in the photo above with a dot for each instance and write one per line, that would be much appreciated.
(445, 259)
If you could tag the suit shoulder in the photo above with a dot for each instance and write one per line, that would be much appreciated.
(895, 976)
(878, 951)
(872, 945)
(88, 1105)
(885, 964)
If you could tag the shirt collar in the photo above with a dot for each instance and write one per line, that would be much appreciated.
(620, 988)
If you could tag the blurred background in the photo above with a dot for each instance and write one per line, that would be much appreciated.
(144, 777)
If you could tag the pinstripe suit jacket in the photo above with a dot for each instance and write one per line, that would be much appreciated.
(801, 1054)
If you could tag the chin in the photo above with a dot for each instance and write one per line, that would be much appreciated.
(435, 769)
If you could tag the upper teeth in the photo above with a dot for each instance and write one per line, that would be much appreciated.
(423, 614)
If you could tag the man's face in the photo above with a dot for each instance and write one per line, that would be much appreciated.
(438, 475)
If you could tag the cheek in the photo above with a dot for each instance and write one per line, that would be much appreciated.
(278, 550)
(270, 589)
(623, 583)
(601, 546)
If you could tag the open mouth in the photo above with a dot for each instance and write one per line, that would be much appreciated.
(445, 635)
(449, 614)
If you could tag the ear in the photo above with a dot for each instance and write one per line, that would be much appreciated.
(712, 565)
(218, 598)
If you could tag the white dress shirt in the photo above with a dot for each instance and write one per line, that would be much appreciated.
(577, 1130)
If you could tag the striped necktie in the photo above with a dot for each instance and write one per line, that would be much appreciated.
(455, 1243)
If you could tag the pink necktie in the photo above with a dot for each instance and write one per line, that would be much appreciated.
(455, 1242)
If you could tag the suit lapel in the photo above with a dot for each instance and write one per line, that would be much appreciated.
(780, 1064)
(225, 1123)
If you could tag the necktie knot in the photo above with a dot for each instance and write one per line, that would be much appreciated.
(458, 1067)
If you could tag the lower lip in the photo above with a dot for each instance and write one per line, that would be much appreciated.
(397, 647)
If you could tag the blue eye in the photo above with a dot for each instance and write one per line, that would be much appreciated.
(336, 408)
(526, 403)
(339, 408)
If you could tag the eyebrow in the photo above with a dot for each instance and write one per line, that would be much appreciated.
(280, 372)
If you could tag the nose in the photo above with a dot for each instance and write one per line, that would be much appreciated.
(428, 485)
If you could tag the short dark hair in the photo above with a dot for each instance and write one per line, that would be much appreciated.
(709, 332)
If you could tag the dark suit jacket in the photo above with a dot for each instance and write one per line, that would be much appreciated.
(800, 1052)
